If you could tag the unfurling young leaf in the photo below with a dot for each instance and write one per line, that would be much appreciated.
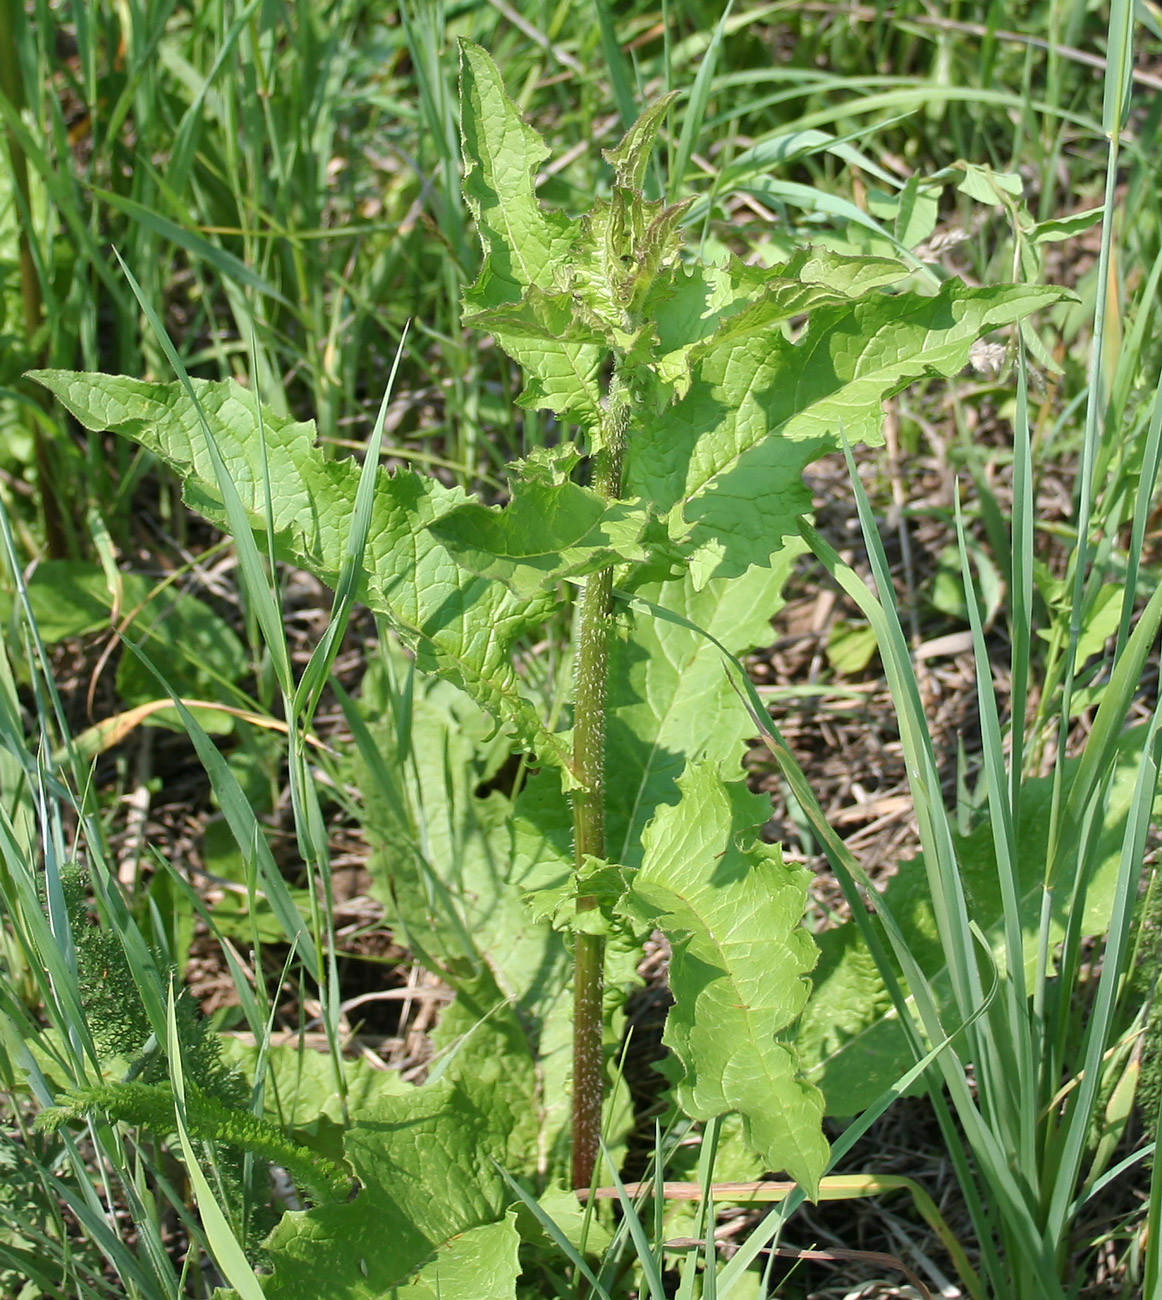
(631, 157)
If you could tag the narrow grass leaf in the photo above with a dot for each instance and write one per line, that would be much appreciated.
(1013, 1065)
(258, 587)
(227, 1251)
(1119, 67)
(695, 114)
(1100, 1025)
(648, 1264)
(226, 264)
(1147, 484)
(350, 577)
(244, 826)
(615, 64)
(1152, 1270)
(1123, 686)
(562, 1242)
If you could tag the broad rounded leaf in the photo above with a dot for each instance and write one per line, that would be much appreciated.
(424, 1163)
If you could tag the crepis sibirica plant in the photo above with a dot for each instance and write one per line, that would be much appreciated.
(687, 396)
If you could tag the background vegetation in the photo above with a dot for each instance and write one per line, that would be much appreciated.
(283, 182)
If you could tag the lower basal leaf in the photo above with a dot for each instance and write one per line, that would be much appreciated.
(443, 862)
(424, 1162)
(427, 1160)
(733, 912)
(480, 1264)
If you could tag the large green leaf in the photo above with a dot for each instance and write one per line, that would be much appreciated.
(733, 911)
(198, 648)
(849, 1037)
(669, 699)
(443, 861)
(442, 856)
(548, 531)
(502, 157)
(695, 306)
(480, 1264)
(300, 1085)
(460, 626)
(730, 403)
(72, 598)
(725, 460)
(424, 1163)
(426, 1159)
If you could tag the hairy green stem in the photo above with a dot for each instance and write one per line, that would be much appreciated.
(594, 622)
